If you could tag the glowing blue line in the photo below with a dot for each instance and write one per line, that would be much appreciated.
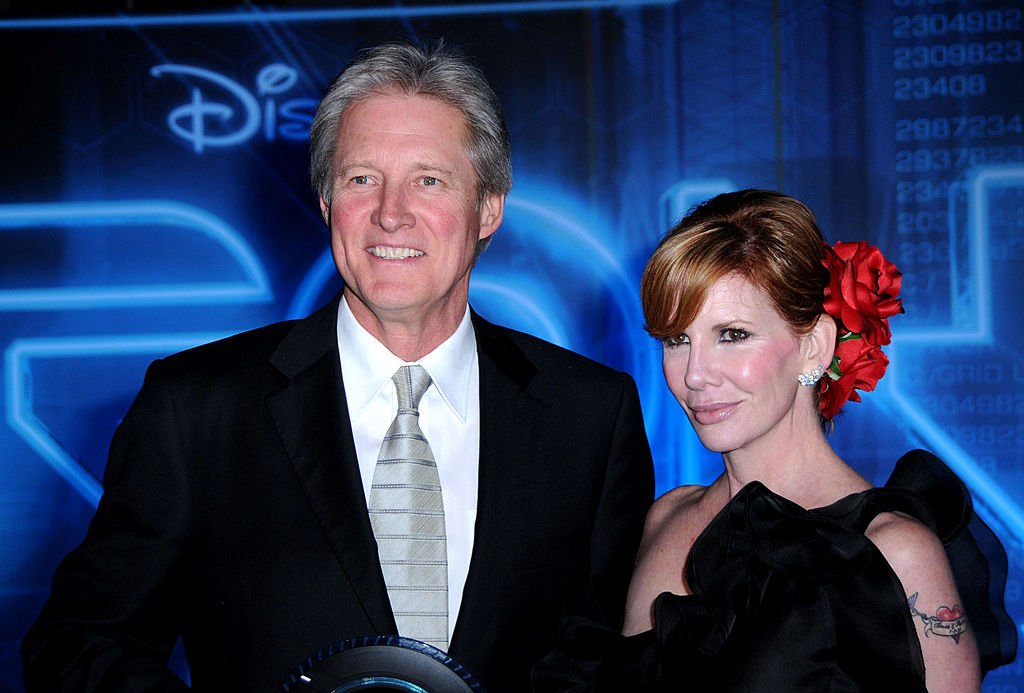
(954, 258)
(322, 271)
(978, 239)
(326, 15)
(998, 508)
(103, 345)
(33, 432)
(128, 295)
(18, 394)
(552, 332)
(255, 287)
(947, 335)
(623, 296)
(983, 179)
(568, 223)
(680, 197)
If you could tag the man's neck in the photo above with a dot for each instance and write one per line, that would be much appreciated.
(410, 337)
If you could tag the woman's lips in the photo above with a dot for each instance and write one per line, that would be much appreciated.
(708, 414)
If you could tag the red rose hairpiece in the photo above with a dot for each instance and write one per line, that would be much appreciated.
(861, 296)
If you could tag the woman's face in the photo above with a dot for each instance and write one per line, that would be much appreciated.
(734, 368)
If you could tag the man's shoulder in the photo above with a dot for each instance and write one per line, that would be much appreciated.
(535, 346)
(548, 359)
(254, 344)
(285, 342)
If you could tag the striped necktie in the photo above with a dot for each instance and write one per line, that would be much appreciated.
(407, 515)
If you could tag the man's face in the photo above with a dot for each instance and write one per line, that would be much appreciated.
(404, 220)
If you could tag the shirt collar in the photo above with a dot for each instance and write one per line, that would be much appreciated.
(367, 365)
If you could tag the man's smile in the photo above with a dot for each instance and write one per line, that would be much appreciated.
(391, 253)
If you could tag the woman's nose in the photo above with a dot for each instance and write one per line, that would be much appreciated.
(698, 367)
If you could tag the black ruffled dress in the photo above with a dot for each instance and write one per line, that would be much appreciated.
(787, 599)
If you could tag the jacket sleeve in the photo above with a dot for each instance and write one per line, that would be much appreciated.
(116, 603)
(626, 495)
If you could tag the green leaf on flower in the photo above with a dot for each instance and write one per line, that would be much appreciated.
(834, 372)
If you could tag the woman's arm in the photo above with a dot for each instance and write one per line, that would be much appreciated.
(667, 538)
(943, 628)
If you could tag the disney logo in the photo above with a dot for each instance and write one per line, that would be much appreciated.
(204, 122)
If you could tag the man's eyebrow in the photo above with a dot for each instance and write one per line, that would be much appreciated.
(431, 166)
(348, 166)
(419, 166)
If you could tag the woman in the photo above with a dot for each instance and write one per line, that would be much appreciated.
(789, 572)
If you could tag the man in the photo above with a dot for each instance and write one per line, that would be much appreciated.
(242, 490)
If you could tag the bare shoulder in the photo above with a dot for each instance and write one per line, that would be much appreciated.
(903, 538)
(671, 506)
(915, 554)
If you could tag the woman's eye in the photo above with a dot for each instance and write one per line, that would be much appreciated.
(733, 334)
(670, 342)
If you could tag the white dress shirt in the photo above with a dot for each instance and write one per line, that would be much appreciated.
(449, 418)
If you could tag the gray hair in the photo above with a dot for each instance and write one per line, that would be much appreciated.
(439, 72)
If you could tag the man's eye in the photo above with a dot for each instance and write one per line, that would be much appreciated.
(429, 181)
(360, 180)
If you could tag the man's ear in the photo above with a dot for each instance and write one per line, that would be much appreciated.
(325, 212)
(492, 210)
(820, 343)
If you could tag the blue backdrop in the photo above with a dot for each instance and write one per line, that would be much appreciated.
(154, 195)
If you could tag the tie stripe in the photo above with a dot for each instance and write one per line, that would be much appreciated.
(407, 515)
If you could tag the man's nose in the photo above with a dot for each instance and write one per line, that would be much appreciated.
(393, 211)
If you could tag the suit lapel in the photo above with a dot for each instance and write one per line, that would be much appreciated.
(509, 425)
(312, 420)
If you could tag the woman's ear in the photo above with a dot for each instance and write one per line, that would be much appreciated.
(820, 343)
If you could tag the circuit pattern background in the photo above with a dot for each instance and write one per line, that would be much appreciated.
(154, 196)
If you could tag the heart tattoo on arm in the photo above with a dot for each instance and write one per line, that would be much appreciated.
(947, 621)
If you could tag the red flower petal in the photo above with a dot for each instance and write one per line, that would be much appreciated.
(861, 295)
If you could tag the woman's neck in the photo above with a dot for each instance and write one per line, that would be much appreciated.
(799, 466)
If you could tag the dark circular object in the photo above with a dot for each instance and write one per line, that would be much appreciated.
(381, 663)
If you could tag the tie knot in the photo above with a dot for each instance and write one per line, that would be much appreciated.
(410, 383)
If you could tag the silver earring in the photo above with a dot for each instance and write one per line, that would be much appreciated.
(811, 377)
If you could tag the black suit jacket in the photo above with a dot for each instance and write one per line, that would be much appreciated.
(233, 515)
